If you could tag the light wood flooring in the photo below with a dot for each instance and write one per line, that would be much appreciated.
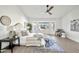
(68, 45)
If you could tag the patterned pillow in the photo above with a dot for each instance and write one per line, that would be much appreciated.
(24, 33)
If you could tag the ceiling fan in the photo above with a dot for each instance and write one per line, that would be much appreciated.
(49, 8)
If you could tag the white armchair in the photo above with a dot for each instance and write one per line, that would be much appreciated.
(35, 40)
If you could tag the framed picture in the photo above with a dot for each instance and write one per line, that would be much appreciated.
(75, 25)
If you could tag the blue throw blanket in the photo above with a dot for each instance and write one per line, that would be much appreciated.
(52, 44)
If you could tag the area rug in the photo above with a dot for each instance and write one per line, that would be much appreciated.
(52, 44)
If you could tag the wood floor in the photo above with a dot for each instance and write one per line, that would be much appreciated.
(68, 45)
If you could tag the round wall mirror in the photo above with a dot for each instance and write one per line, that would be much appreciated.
(5, 20)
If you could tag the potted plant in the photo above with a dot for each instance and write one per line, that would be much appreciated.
(29, 27)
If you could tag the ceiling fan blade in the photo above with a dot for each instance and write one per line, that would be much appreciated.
(50, 8)
(50, 13)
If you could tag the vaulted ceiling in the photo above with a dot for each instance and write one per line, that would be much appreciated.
(39, 11)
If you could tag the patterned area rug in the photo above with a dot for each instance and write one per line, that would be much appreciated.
(52, 44)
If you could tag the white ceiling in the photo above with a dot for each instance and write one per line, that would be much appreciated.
(39, 11)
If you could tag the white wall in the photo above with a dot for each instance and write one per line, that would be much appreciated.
(13, 12)
(16, 17)
(74, 14)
